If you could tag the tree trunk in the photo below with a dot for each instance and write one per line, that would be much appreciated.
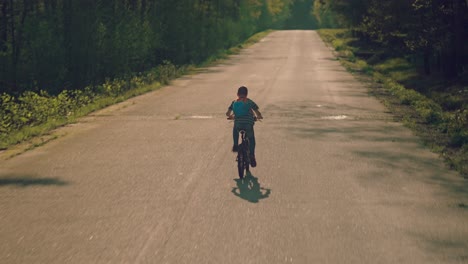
(452, 63)
(4, 26)
(427, 62)
(459, 9)
(67, 13)
(13, 47)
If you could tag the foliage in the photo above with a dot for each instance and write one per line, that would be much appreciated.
(56, 45)
(399, 69)
(429, 111)
(60, 58)
(434, 32)
(33, 109)
(339, 13)
(457, 127)
(36, 113)
(329, 35)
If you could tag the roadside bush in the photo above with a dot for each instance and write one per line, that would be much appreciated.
(457, 128)
(33, 109)
(430, 112)
(331, 34)
(394, 64)
(449, 102)
(364, 67)
(347, 54)
(167, 71)
(338, 44)
(10, 114)
(113, 88)
(36, 108)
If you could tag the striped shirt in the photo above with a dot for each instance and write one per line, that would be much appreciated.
(242, 109)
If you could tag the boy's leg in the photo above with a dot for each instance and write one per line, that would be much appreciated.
(251, 136)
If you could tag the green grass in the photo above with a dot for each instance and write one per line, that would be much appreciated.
(398, 69)
(392, 65)
(29, 132)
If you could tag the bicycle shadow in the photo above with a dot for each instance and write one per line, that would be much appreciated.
(29, 180)
(250, 190)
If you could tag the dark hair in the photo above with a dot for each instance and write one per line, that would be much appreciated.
(242, 90)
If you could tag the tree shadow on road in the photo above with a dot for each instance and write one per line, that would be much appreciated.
(250, 190)
(449, 248)
(27, 181)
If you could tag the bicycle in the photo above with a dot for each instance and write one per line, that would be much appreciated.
(243, 152)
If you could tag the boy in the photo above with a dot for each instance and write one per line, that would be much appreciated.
(243, 109)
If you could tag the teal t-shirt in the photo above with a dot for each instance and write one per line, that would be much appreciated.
(242, 109)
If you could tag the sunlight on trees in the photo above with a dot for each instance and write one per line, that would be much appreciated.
(54, 45)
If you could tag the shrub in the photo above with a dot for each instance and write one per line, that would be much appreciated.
(366, 68)
(347, 54)
(36, 108)
(167, 71)
(429, 111)
(338, 44)
(33, 109)
(11, 119)
(457, 127)
(394, 64)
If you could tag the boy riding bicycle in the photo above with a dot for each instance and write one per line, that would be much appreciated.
(244, 119)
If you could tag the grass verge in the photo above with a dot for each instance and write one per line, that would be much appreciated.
(435, 110)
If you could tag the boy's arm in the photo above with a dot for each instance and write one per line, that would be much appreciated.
(255, 109)
(258, 114)
(229, 111)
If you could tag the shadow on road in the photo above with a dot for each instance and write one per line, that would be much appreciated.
(250, 190)
(26, 181)
(449, 247)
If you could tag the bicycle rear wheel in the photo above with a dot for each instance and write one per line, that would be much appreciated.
(246, 156)
(241, 163)
(246, 161)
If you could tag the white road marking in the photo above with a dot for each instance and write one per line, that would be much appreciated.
(338, 117)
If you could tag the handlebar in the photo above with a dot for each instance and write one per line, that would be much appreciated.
(232, 117)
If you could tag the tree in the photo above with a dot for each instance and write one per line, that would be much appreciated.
(333, 13)
(435, 30)
(70, 44)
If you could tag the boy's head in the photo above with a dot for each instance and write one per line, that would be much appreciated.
(242, 91)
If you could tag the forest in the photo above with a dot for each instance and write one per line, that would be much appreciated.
(57, 56)
(434, 32)
(62, 59)
(54, 45)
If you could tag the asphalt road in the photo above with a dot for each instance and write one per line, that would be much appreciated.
(152, 180)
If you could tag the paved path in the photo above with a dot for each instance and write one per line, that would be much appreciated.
(152, 180)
